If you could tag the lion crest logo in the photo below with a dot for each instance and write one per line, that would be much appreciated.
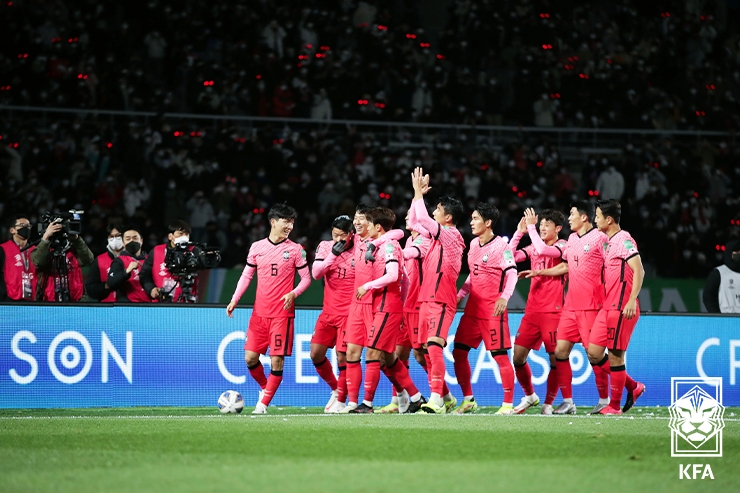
(697, 423)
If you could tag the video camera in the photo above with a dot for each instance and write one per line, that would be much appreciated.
(71, 225)
(188, 258)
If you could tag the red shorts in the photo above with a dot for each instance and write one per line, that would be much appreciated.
(575, 326)
(493, 332)
(275, 333)
(537, 328)
(435, 320)
(612, 330)
(329, 331)
(359, 323)
(384, 331)
(410, 336)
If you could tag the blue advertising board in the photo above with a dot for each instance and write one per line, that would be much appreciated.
(115, 356)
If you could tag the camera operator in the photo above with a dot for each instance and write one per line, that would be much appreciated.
(50, 279)
(124, 278)
(96, 283)
(17, 272)
(155, 277)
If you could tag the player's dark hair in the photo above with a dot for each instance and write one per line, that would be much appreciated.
(381, 216)
(178, 225)
(556, 217)
(343, 222)
(488, 212)
(362, 209)
(610, 208)
(584, 207)
(14, 219)
(452, 207)
(282, 211)
(117, 226)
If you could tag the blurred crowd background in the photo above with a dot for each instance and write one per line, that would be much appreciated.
(591, 64)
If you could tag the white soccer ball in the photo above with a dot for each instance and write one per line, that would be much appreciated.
(231, 402)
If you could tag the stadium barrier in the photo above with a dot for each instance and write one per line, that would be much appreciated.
(116, 356)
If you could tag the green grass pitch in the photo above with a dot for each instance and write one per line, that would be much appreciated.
(297, 450)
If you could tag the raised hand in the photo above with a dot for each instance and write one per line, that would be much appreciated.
(522, 226)
(529, 216)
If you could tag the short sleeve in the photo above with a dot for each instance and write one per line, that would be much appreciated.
(322, 251)
(300, 258)
(252, 256)
(507, 259)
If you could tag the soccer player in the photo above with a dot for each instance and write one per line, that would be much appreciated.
(385, 289)
(583, 260)
(544, 303)
(276, 260)
(491, 283)
(335, 264)
(438, 292)
(623, 275)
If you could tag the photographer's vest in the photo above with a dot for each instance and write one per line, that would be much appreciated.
(161, 275)
(104, 260)
(132, 287)
(74, 275)
(729, 290)
(17, 271)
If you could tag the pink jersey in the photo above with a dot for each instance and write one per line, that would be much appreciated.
(617, 274)
(546, 293)
(585, 257)
(276, 264)
(487, 264)
(339, 279)
(363, 271)
(413, 267)
(388, 299)
(441, 266)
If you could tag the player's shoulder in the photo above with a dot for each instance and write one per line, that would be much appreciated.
(561, 243)
(323, 245)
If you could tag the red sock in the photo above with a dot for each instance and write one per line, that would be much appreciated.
(524, 375)
(399, 373)
(272, 385)
(372, 377)
(342, 384)
(619, 376)
(258, 373)
(629, 383)
(406, 364)
(507, 376)
(552, 385)
(601, 375)
(462, 371)
(565, 378)
(437, 368)
(326, 372)
(354, 380)
(427, 368)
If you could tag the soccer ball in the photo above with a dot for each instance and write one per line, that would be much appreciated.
(231, 402)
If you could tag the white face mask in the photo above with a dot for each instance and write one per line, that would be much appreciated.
(115, 243)
(182, 239)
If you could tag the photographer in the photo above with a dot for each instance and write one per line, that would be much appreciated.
(96, 283)
(124, 278)
(155, 277)
(59, 258)
(17, 272)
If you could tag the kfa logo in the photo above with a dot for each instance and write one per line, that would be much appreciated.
(286, 255)
(586, 247)
(695, 471)
(485, 258)
(696, 417)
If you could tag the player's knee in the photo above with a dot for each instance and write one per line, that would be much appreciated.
(276, 363)
(318, 353)
(419, 357)
(251, 359)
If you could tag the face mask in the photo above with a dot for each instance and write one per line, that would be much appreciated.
(182, 239)
(24, 233)
(115, 243)
(133, 247)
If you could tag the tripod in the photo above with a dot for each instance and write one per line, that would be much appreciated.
(59, 275)
(186, 283)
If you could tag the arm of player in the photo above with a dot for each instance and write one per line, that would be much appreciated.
(424, 224)
(404, 286)
(464, 290)
(241, 288)
(321, 266)
(630, 308)
(391, 275)
(559, 270)
(540, 246)
(305, 282)
(394, 234)
(510, 278)
(519, 255)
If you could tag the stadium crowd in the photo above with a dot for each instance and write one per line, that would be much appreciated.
(665, 65)
(680, 199)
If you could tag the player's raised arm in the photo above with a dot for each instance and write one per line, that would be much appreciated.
(521, 229)
(542, 248)
(420, 219)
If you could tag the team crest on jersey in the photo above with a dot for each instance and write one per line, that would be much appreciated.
(485, 258)
(286, 255)
(586, 247)
(353, 263)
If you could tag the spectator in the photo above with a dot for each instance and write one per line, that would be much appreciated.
(610, 184)
(722, 289)
(17, 272)
(123, 277)
(96, 283)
